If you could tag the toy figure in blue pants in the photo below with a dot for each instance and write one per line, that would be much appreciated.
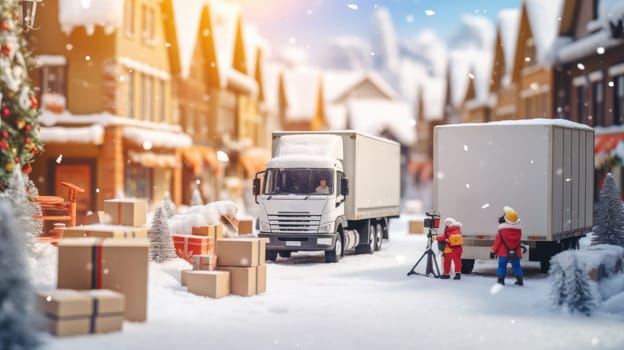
(507, 246)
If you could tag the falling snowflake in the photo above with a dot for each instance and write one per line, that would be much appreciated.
(429, 12)
(580, 66)
(610, 83)
(308, 12)
(486, 205)
(352, 6)
(471, 76)
(409, 19)
(527, 59)
(600, 50)
(466, 148)
(59, 159)
(467, 185)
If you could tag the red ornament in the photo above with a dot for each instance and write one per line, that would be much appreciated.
(5, 134)
(34, 150)
(6, 112)
(4, 25)
(1, 144)
(33, 102)
(17, 160)
(27, 140)
(27, 169)
(6, 49)
(27, 127)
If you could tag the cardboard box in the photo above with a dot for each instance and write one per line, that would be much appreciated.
(416, 226)
(206, 262)
(71, 312)
(261, 279)
(242, 280)
(241, 252)
(245, 227)
(184, 276)
(215, 231)
(117, 264)
(126, 212)
(262, 242)
(214, 284)
(187, 245)
(104, 231)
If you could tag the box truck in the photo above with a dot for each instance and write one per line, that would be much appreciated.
(543, 168)
(362, 192)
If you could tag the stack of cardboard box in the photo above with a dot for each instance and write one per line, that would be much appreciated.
(244, 259)
(95, 258)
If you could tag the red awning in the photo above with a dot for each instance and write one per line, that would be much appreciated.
(607, 142)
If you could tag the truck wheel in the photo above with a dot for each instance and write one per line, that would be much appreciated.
(545, 265)
(271, 255)
(467, 265)
(285, 253)
(379, 236)
(333, 255)
(372, 239)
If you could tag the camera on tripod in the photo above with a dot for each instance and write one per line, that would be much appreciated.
(433, 220)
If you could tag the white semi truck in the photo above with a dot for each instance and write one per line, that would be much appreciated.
(543, 168)
(362, 175)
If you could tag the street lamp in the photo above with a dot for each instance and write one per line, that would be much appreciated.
(28, 13)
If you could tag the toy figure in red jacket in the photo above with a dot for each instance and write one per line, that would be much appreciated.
(508, 239)
(453, 249)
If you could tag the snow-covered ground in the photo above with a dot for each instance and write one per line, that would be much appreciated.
(362, 302)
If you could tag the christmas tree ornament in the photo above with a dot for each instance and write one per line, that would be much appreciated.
(20, 124)
(27, 127)
(27, 168)
(6, 113)
(33, 102)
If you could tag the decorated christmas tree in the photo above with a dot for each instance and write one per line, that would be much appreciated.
(17, 315)
(160, 238)
(609, 215)
(19, 141)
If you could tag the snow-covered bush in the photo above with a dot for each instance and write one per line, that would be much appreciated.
(582, 280)
(161, 247)
(609, 215)
(17, 315)
(23, 209)
(209, 214)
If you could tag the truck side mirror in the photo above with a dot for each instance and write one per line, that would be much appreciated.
(344, 186)
(256, 186)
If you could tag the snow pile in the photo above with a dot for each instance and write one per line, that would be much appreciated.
(90, 13)
(209, 214)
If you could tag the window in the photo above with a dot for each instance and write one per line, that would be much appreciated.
(53, 80)
(163, 101)
(129, 17)
(139, 181)
(147, 97)
(598, 103)
(190, 120)
(130, 104)
(580, 105)
(618, 100)
(148, 23)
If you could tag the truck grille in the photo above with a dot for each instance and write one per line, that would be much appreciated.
(302, 222)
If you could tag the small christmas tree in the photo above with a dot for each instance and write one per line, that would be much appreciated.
(17, 315)
(19, 140)
(557, 278)
(609, 215)
(196, 198)
(579, 296)
(160, 238)
(168, 206)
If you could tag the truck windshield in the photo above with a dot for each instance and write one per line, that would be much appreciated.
(299, 181)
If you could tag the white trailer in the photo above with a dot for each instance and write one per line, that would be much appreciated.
(362, 173)
(543, 168)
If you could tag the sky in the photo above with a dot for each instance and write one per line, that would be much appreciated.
(309, 23)
(362, 302)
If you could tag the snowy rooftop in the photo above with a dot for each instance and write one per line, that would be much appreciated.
(187, 15)
(89, 14)
(301, 86)
(434, 91)
(374, 116)
(544, 18)
(508, 24)
(254, 41)
(270, 78)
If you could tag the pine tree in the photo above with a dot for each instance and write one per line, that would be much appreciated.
(196, 198)
(168, 206)
(160, 238)
(19, 140)
(579, 296)
(557, 277)
(609, 215)
(17, 315)
(16, 194)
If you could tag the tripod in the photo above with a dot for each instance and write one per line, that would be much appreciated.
(432, 263)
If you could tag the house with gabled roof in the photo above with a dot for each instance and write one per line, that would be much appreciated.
(590, 77)
(457, 76)
(300, 99)
(478, 102)
(501, 86)
(105, 84)
(533, 70)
